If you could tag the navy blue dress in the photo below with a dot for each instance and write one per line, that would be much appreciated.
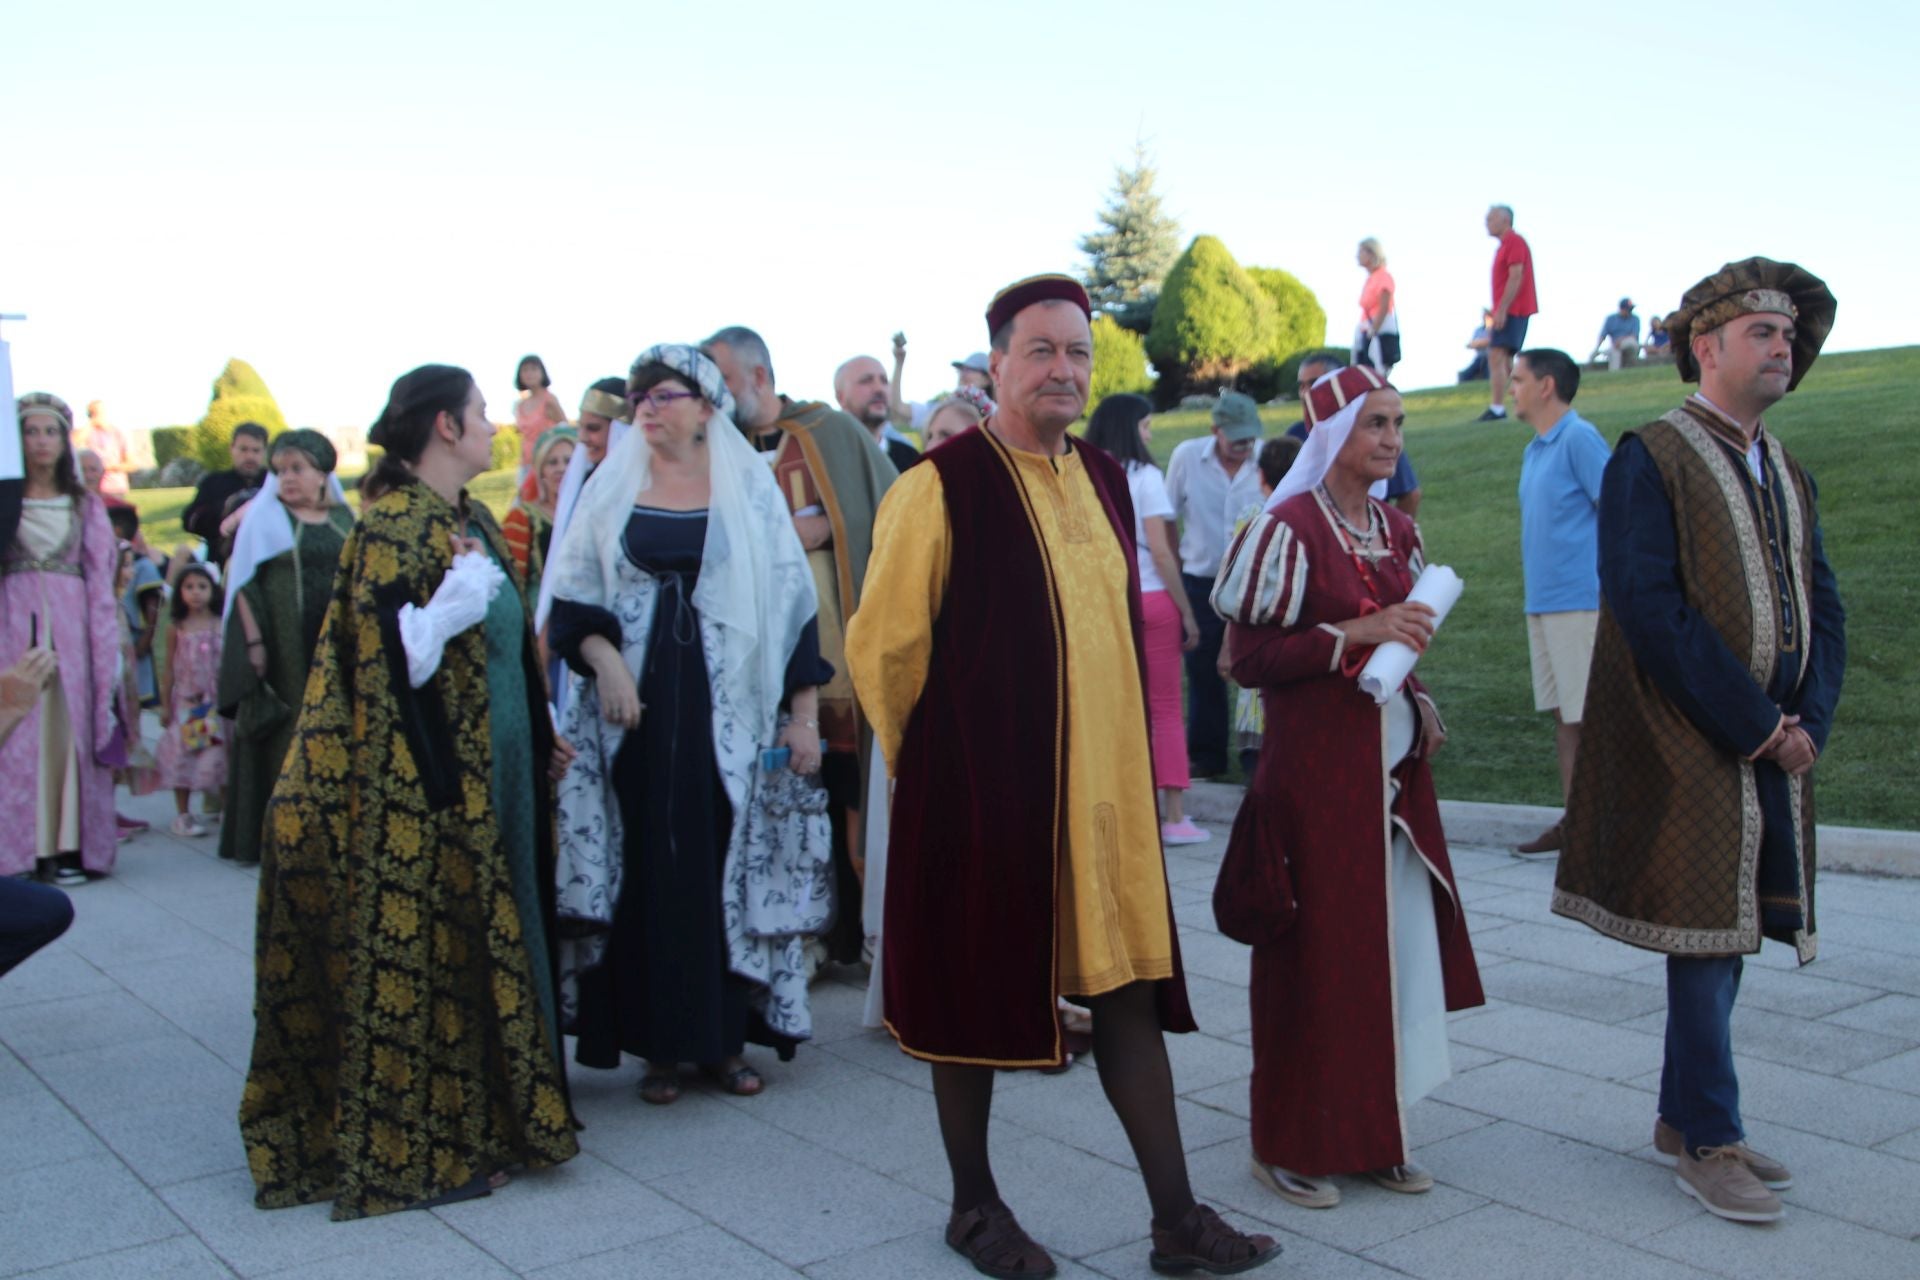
(664, 991)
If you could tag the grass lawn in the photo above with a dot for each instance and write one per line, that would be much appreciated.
(1845, 424)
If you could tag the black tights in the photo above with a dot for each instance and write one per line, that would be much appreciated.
(1132, 1059)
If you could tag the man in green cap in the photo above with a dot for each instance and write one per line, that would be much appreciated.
(1212, 479)
(1716, 670)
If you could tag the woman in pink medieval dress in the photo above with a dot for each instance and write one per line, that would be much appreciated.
(56, 592)
(1350, 998)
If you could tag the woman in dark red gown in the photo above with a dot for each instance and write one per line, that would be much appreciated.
(1350, 1000)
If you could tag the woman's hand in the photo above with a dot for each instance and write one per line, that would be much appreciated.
(1432, 735)
(619, 698)
(1409, 623)
(802, 739)
(561, 760)
(1189, 632)
(257, 657)
(234, 518)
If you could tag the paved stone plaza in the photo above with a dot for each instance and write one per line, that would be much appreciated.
(122, 1050)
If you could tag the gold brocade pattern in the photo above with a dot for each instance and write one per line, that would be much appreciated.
(399, 1047)
(1113, 902)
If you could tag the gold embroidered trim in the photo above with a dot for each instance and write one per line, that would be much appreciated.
(1762, 654)
(1654, 937)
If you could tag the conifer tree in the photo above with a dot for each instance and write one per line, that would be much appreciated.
(1136, 244)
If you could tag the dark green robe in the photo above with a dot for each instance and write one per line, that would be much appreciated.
(288, 596)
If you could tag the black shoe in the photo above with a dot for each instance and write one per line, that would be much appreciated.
(1491, 416)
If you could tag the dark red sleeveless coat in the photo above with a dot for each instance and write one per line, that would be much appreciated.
(978, 841)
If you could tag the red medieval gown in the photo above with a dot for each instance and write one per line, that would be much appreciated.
(1328, 1087)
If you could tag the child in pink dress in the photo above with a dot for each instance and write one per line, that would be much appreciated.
(192, 757)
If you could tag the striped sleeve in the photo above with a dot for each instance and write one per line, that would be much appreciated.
(1263, 578)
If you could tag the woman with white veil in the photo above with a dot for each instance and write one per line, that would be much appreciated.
(692, 859)
(279, 582)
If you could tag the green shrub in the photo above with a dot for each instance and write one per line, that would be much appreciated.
(239, 395)
(506, 447)
(1119, 361)
(1211, 321)
(170, 443)
(1299, 319)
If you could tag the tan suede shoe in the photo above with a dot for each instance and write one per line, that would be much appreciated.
(1720, 1180)
(1668, 1142)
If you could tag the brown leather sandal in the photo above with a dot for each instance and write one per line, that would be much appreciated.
(995, 1244)
(1203, 1241)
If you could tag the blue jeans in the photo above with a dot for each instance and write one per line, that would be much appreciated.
(31, 916)
(1699, 1094)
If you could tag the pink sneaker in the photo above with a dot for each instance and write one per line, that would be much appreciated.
(1183, 832)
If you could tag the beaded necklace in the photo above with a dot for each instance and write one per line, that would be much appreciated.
(1353, 539)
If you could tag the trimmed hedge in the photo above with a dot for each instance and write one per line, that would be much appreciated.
(170, 443)
(506, 448)
(239, 395)
(1119, 361)
(1212, 322)
(1299, 321)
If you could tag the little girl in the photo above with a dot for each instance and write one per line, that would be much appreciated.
(192, 757)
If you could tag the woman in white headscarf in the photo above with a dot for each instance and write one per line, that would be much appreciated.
(279, 584)
(683, 604)
(1337, 869)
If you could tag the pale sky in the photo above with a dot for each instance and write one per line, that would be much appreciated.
(339, 191)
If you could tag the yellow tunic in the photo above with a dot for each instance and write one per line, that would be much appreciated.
(1113, 918)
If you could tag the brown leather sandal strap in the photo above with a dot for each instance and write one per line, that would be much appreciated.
(992, 1238)
(1205, 1236)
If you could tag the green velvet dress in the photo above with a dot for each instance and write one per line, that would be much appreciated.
(513, 766)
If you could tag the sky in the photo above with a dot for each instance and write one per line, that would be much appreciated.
(339, 192)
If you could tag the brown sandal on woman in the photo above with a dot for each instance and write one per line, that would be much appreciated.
(1203, 1241)
(660, 1088)
(995, 1244)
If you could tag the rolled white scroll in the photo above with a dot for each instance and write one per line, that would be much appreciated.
(1438, 588)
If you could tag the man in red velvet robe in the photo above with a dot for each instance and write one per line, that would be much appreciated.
(997, 653)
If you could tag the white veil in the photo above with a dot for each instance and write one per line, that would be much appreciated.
(265, 532)
(754, 584)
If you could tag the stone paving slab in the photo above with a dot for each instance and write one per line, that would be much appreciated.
(122, 1049)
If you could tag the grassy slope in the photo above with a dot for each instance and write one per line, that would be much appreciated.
(1847, 425)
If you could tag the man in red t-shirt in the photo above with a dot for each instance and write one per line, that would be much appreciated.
(1513, 303)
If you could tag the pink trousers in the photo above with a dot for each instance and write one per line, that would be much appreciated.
(1163, 638)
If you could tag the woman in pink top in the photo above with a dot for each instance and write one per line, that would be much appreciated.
(1376, 339)
(535, 413)
(1122, 426)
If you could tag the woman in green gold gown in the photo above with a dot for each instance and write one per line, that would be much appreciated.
(405, 1053)
(279, 582)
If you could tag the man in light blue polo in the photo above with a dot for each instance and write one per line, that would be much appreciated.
(1559, 549)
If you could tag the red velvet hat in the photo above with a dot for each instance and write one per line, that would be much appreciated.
(1336, 391)
(1021, 294)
